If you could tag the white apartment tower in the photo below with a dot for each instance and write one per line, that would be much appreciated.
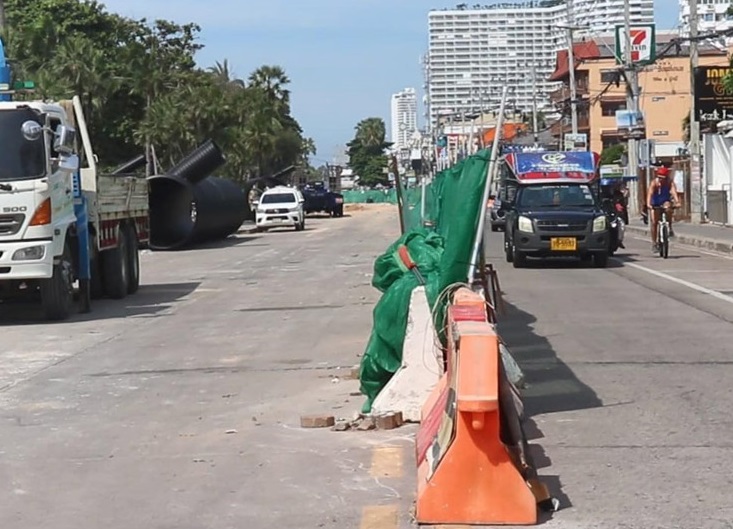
(712, 15)
(475, 51)
(403, 118)
(602, 16)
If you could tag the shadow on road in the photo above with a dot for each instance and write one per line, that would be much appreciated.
(552, 386)
(149, 301)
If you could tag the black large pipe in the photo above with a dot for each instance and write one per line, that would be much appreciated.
(201, 163)
(183, 214)
(129, 166)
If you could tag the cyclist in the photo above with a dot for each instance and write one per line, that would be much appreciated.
(662, 192)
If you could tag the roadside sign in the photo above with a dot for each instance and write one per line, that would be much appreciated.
(643, 44)
(646, 153)
(576, 142)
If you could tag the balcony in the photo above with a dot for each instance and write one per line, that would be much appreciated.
(564, 126)
(563, 93)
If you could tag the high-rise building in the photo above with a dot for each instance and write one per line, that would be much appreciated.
(403, 118)
(602, 16)
(475, 51)
(712, 15)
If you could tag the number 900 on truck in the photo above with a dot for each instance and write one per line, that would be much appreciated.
(67, 233)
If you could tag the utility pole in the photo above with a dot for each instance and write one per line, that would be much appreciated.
(632, 89)
(573, 88)
(535, 127)
(571, 70)
(697, 188)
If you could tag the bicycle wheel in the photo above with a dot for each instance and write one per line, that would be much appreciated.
(664, 247)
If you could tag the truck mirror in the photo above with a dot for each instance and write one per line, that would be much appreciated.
(69, 163)
(64, 139)
(32, 130)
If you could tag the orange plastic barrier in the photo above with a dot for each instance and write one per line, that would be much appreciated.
(465, 473)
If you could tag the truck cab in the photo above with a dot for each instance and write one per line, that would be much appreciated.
(552, 207)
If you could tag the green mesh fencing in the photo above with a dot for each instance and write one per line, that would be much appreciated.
(440, 243)
(388, 196)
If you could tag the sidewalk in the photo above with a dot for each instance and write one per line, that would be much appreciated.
(707, 236)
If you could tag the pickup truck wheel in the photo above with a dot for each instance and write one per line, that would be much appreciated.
(117, 268)
(519, 260)
(600, 260)
(57, 292)
(133, 261)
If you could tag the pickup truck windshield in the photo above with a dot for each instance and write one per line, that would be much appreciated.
(20, 159)
(556, 196)
(278, 198)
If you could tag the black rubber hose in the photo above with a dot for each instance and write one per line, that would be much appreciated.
(200, 163)
(129, 166)
(184, 214)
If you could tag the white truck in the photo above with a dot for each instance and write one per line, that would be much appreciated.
(67, 233)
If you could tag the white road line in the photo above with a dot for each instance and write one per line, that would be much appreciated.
(688, 284)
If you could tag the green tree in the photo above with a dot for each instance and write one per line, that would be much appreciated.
(612, 154)
(367, 151)
(140, 87)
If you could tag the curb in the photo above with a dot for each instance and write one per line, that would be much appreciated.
(705, 243)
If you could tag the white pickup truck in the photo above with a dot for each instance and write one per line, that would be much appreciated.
(67, 233)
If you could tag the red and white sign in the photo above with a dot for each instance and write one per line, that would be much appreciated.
(643, 45)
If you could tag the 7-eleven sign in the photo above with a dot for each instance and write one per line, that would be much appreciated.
(643, 44)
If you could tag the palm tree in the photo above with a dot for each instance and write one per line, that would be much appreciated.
(371, 132)
(273, 80)
(223, 74)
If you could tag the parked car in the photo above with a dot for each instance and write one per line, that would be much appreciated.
(279, 207)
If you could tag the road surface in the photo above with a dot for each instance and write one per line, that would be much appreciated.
(179, 407)
(630, 371)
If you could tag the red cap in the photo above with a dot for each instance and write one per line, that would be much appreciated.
(663, 171)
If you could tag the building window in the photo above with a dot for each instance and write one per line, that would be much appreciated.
(609, 76)
(609, 108)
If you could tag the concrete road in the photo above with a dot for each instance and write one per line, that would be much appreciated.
(631, 384)
(179, 407)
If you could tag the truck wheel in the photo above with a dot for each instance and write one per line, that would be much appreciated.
(133, 260)
(117, 268)
(519, 260)
(57, 292)
(600, 260)
(340, 211)
(96, 284)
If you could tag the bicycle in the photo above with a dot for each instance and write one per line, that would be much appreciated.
(663, 230)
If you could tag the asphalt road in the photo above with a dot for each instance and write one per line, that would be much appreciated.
(630, 372)
(179, 407)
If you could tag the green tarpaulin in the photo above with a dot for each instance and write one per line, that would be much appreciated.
(440, 244)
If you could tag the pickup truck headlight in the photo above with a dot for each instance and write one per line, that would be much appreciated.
(525, 224)
(32, 253)
(600, 223)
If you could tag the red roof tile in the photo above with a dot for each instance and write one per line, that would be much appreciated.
(581, 51)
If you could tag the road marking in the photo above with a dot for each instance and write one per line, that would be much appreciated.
(688, 284)
(387, 462)
(380, 517)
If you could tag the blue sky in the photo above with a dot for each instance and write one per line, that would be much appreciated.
(344, 57)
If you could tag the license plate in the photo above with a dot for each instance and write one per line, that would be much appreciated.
(563, 244)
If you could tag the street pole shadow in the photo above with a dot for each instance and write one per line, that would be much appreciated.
(551, 387)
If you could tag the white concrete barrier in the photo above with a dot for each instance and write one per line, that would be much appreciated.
(422, 365)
